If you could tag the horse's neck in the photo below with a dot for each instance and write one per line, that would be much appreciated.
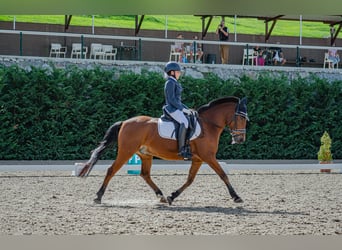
(213, 119)
(218, 116)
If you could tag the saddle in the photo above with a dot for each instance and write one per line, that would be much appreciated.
(167, 126)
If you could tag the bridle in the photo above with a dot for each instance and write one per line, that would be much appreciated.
(240, 110)
(235, 132)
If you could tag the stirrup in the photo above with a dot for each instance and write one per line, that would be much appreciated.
(187, 158)
(185, 154)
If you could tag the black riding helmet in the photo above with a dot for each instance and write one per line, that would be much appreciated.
(172, 66)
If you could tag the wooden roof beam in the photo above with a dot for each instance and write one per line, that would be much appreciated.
(138, 23)
(67, 21)
(205, 26)
(269, 32)
(334, 34)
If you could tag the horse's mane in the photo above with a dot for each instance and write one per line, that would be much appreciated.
(216, 102)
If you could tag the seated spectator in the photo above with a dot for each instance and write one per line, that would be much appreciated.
(278, 56)
(179, 47)
(260, 60)
(333, 56)
(199, 51)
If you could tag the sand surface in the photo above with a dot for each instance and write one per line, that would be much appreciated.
(275, 203)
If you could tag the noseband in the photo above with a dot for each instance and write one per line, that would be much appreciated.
(235, 131)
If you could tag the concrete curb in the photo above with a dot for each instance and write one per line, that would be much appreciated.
(158, 161)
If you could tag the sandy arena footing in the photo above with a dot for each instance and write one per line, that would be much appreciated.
(276, 202)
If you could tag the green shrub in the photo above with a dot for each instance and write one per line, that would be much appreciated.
(62, 114)
(324, 153)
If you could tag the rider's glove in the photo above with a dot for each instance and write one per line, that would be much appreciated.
(186, 111)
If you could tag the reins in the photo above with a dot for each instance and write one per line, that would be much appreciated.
(232, 131)
(240, 110)
(210, 122)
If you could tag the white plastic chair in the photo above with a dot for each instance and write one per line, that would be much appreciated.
(174, 55)
(250, 55)
(57, 50)
(109, 52)
(96, 51)
(77, 52)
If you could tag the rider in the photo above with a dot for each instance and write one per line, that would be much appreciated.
(174, 106)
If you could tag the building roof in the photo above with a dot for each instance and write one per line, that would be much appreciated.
(174, 7)
(331, 20)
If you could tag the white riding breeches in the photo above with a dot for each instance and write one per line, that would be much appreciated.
(180, 117)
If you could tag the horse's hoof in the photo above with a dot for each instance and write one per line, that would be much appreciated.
(97, 201)
(163, 200)
(238, 200)
(82, 173)
(169, 200)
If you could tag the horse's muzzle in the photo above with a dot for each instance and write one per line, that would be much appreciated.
(238, 138)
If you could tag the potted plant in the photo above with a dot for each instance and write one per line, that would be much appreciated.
(324, 153)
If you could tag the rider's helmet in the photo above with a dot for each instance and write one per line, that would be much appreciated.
(172, 66)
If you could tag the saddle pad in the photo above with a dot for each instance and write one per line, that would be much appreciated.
(166, 129)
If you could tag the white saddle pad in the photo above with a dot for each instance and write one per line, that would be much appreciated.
(166, 129)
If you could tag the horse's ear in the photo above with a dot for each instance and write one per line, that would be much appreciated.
(243, 107)
(244, 100)
(243, 104)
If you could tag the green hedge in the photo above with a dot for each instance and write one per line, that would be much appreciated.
(62, 114)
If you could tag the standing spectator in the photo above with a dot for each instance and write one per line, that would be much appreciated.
(223, 33)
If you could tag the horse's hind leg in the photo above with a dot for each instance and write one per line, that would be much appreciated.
(111, 171)
(109, 138)
(146, 164)
(218, 169)
(191, 176)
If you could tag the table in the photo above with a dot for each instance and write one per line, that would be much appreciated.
(127, 53)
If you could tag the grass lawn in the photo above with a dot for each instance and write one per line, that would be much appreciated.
(183, 23)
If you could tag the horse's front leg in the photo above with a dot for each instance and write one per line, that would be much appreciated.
(146, 164)
(218, 170)
(195, 165)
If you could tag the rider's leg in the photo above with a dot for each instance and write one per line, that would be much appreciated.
(183, 149)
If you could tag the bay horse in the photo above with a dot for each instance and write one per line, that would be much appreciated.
(140, 135)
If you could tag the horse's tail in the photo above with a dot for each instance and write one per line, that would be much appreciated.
(109, 139)
(111, 135)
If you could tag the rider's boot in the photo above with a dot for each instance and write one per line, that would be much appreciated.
(183, 149)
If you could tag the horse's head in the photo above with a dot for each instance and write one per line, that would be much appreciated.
(238, 124)
(227, 111)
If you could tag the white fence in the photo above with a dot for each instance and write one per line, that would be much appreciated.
(138, 41)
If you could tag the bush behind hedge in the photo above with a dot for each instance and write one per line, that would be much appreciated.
(62, 114)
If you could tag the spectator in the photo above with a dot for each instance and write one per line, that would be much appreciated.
(278, 56)
(333, 56)
(223, 33)
(179, 47)
(260, 60)
(198, 50)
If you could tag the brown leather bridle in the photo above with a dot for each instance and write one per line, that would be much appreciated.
(235, 132)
